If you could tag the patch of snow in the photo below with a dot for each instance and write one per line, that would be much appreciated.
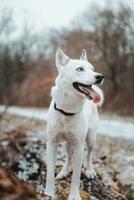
(26, 112)
(116, 128)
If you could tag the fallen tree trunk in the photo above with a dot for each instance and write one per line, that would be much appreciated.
(25, 174)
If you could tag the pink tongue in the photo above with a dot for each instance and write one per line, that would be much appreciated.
(95, 96)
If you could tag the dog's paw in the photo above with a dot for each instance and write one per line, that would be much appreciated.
(74, 197)
(49, 193)
(62, 174)
(90, 173)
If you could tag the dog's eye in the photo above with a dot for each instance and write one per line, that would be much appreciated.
(80, 69)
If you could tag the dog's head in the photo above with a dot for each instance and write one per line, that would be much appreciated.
(78, 75)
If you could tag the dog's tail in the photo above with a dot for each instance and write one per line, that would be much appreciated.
(101, 94)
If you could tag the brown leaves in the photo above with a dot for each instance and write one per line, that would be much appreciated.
(63, 190)
(13, 189)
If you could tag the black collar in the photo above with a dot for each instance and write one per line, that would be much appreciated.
(62, 111)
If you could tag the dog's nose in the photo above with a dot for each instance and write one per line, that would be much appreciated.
(99, 78)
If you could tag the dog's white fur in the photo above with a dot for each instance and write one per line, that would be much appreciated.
(74, 130)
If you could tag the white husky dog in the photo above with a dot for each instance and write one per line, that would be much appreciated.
(73, 118)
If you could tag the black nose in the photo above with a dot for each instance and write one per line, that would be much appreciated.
(99, 78)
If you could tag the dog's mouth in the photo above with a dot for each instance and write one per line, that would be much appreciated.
(89, 92)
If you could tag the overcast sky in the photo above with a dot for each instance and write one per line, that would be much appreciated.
(51, 13)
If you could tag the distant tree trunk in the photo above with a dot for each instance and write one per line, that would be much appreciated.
(114, 79)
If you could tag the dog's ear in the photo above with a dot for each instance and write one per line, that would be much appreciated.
(61, 58)
(84, 55)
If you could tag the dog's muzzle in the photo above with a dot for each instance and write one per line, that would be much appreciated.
(88, 90)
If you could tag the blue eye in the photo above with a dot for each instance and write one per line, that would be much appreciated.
(80, 69)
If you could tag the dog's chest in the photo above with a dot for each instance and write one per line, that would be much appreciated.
(64, 130)
(66, 125)
(64, 136)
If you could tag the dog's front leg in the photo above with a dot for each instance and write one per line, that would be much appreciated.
(77, 164)
(91, 141)
(50, 158)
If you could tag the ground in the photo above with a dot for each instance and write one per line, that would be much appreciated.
(22, 152)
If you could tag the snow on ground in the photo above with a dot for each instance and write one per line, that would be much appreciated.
(26, 112)
(113, 127)
(116, 128)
